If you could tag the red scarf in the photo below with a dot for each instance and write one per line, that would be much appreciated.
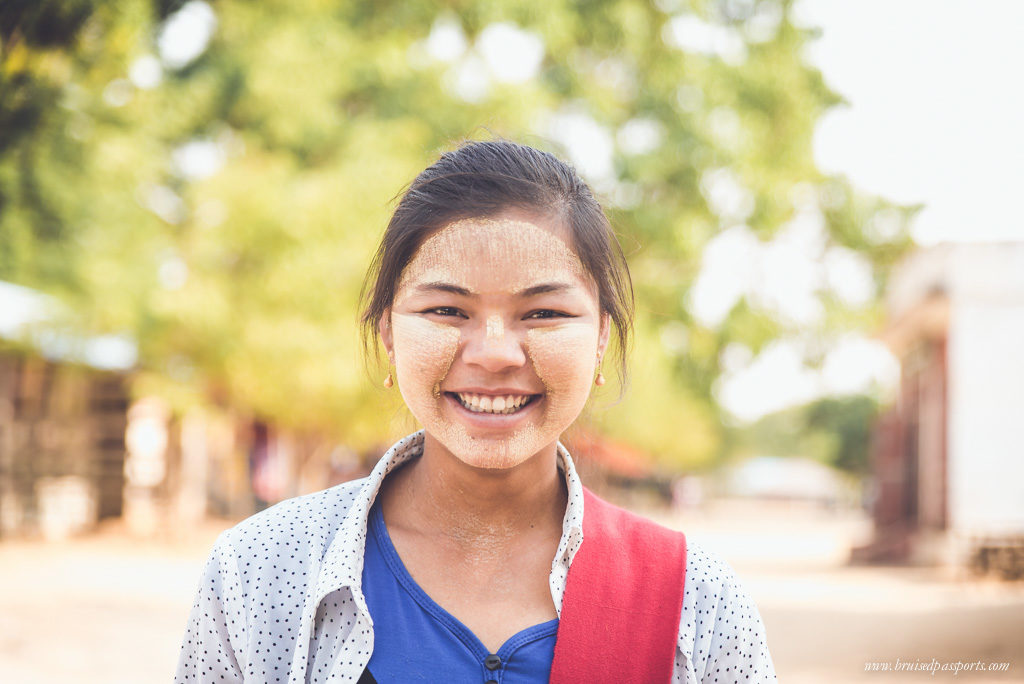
(623, 597)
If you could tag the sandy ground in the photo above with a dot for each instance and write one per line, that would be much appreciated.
(111, 608)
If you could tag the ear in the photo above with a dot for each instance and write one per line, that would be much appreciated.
(384, 328)
(605, 331)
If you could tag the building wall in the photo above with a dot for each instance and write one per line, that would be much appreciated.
(949, 455)
(61, 446)
(931, 458)
(986, 409)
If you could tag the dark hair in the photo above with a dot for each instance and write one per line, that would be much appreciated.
(482, 179)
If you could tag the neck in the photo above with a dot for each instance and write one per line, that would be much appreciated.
(440, 496)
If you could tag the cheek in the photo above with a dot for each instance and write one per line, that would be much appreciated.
(424, 351)
(564, 358)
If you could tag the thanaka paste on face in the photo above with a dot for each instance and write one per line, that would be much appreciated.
(495, 329)
(428, 349)
(495, 256)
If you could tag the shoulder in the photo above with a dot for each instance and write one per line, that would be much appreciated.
(720, 625)
(306, 536)
(708, 577)
(302, 527)
(706, 571)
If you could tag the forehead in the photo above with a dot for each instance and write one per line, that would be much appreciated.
(486, 252)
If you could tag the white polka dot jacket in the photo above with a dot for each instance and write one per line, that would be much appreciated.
(280, 599)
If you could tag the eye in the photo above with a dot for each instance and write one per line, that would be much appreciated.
(443, 311)
(549, 313)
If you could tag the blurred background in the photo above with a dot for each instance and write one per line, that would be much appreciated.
(816, 199)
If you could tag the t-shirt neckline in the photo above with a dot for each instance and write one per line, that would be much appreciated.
(463, 633)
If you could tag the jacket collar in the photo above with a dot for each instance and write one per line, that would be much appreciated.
(343, 562)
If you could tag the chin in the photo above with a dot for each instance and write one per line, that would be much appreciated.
(492, 461)
(497, 453)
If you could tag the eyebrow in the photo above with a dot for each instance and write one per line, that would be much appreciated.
(532, 291)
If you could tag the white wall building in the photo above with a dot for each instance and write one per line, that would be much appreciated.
(949, 456)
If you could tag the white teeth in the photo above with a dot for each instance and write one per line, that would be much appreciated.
(484, 404)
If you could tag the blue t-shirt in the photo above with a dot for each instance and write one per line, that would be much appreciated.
(416, 640)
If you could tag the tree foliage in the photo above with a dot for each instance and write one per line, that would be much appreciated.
(223, 208)
(834, 430)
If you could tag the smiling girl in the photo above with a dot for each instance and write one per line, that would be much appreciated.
(472, 552)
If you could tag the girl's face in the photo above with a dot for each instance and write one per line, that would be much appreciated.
(495, 332)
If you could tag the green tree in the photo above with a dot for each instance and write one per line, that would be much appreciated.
(834, 430)
(222, 206)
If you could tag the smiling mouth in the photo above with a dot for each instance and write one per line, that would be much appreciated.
(486, 405)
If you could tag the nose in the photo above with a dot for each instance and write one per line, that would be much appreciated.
(492, 346)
